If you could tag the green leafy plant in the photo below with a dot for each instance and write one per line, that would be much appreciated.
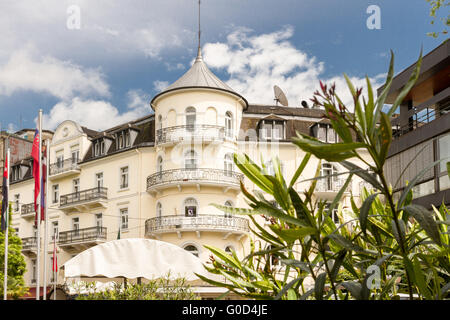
(435, 7)
(163, 288)
(379, 250)
(16, 263)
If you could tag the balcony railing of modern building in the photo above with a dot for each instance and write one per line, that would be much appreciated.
(27, 210)
(64, 168)
(201, 133)
(227, 225)
(199, 176)
(82, 238)
(83, 200)
(420, 116)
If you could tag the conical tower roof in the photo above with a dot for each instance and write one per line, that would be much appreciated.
(199, 76)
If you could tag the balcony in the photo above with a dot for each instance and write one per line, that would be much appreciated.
(81, 239)
(203, 223)
(327, 188)
(27, 210)
(63, 169)
(29, 246)
(84, 200)
(190, 133)
(196, 177)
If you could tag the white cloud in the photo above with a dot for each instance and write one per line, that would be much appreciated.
(256, 63)
(95, 114)
(61, 79)
(160, 85)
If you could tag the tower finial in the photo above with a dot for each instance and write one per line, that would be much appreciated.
(199, 52)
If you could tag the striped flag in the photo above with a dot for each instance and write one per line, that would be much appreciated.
(55, 258)
(4, 216)
(36, 155)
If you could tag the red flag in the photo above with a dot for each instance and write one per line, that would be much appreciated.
(5, 196)
(43, 183)
(35, 153)
(55, 259)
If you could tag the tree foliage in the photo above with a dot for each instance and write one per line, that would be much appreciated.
(437, 6)
(16, 263)
(388, 246)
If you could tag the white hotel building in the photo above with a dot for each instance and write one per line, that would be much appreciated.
(155, 177)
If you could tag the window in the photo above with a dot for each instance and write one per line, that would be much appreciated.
(192, 249)
(102, 146)
(330, 181)
(228, 124)
(191, 118)
(76, 226)
(16, 202)
(99, 220)
(228, 204)
(99, 180)
(59, 161)
(123, 177)
(228, 165)
(190, 160)
(55, 232)
(159, 210)
(325, 133)
(33, 268)
(124, 219)
(190, 207)
(272, 130)
(75, 156)
(334, 215)
(160, 122)
(55, 193)
(76, 185)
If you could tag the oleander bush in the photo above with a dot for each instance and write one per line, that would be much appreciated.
(387, 248)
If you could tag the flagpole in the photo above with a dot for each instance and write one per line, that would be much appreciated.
(38, 282)
(44, 188)
(6, 213)
(55, 263)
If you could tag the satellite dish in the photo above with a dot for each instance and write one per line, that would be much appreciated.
(280, 96)
(305, 104)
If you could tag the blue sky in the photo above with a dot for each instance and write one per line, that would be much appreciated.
(123, 54)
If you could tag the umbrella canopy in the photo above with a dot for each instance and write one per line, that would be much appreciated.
(133, 258)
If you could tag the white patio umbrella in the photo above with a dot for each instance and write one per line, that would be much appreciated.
(134, 258)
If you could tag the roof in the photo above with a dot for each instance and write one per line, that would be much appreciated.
(199, 76)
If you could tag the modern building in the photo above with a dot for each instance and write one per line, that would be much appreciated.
(421, 131)
(156, 177)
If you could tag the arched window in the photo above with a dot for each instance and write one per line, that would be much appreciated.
(190, 207)
(228, 164)
(192, 249)
(190, 160)
(328, 170)
(228, 124)
(228, 203)
(191, 118)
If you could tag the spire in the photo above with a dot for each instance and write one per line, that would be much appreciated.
(199, 50)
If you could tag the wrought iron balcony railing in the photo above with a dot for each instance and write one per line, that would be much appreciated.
(27, 209)
(82, 235)
(200, 132)
(193, 175)
(64, 166)
(331, 184)
(29, 243)
(198, 223)
(83, 196)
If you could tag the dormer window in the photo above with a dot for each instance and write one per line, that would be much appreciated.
(123, 139)
(272, 130)
(99, 147)
(324, 132)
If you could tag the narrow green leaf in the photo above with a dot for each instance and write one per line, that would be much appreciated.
(345, 243)
(425, 218)
(291, 235)
(420, 279)
(364, 174)
(365, 209)
(385, 137)
(337, 264)
(319, 286)
(300, 169)
(354, 288)
(286, 288)
(253, 172)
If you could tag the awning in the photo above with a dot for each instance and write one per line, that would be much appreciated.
(32, 293)
(133, 258)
